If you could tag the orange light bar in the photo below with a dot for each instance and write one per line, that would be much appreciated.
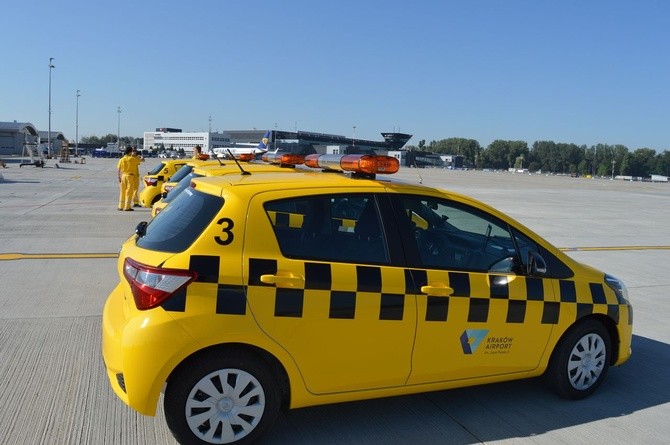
(284, 158)
(369, 164)
(247, 157)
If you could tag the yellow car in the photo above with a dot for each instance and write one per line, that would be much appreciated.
(155, 179)
(185, 170)
(208, 169)
(254, 293)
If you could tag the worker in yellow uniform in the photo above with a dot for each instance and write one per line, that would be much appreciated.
(198, 154)
(126, 168)
(136, 178)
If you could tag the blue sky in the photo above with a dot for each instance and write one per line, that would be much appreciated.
(575, 71)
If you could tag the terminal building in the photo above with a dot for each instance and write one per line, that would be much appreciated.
(173, 139)
(17, 137)
(424, 159)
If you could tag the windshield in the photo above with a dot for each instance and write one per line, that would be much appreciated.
(179, 224)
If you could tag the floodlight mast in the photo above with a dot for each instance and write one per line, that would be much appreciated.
(51, 66)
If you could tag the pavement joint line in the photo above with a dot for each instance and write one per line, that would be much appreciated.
(67, 256)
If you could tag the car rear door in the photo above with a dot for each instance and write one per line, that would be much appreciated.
(322, 283)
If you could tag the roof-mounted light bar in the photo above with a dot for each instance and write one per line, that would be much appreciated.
(284, 158)
(365, 164)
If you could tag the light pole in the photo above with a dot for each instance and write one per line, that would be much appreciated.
(118, 130)
(76, 128)
(51, 65)
(613, 162)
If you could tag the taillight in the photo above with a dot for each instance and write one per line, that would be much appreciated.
(168, 188)
(152, 286)
(150, 182)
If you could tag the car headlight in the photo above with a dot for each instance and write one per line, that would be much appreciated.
(618, 287)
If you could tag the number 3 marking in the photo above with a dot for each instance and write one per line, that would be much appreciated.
(227, 228)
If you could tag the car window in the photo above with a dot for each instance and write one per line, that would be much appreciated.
(181, 172)
(157, 169)
(179, 224)
(450, 235)
(345, 228)
(183, 184)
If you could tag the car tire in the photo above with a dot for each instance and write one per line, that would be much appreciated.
(222, 398)
(580, 361)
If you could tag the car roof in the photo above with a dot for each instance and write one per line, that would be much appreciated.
(300, 179)
(231, 167)
(314, 179)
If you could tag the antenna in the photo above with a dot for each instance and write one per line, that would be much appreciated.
(244, 172)
(418, 172)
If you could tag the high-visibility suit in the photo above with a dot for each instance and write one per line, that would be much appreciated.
(128, 171)
(136, 183)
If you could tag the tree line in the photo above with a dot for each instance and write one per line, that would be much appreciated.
(554, 157)
(111, 138)
(546, 156)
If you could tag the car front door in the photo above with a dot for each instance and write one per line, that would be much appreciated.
(322, 283)
(479, 315)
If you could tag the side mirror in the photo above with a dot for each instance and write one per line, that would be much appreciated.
(508, 264)
(141, 229)
(536, 264)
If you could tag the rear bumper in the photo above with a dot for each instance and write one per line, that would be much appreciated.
(148, 194)
(139, 349)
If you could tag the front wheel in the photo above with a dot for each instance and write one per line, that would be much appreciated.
(220, 399)
(581, 360)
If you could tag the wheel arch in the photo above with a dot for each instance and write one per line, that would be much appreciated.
(603, 319)
(242, 348)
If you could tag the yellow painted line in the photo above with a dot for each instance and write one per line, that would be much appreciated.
(54, 256)
(612, 248)
(71, 256)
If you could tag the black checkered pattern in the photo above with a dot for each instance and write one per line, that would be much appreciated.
(231, 299)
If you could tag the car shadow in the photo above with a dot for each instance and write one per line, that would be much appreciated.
(517, 409)
(13, 181)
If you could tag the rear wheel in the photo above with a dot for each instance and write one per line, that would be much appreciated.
(221, 399)
(581, 360)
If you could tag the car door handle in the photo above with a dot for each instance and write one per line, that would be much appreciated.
(284, 280)
(437, 290)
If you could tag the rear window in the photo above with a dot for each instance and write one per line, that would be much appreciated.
(157, 169)
(183, 184)
(181, 223)
(185, 170)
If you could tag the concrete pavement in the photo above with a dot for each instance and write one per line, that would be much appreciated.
(55, 389)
